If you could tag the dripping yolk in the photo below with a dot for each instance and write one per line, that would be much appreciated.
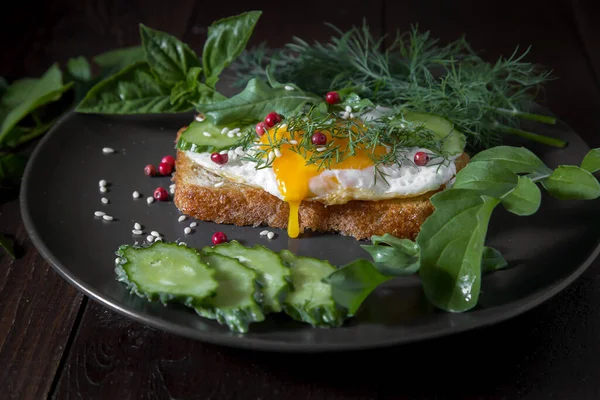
(293, 175)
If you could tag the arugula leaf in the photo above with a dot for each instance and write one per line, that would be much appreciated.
(569, 182)
(525, 199)
(133, 90)
(79, 68)
(120, 58)
(256, 101)
(352, 284)
(12, 167)
(492, 260)
(451, 242)
(488, 177)
(169, 58)
(397, 258)
(47, 89)
(226, 40)
(591, 161)
(7, 244)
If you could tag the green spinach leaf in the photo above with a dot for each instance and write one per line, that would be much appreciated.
(169, 58)
(451, 242)
(525, 199)
(352, 284)
(47, 89)
(569, 182)
(7, 244)
(255, 102)
(397, 257)
(492, 260)
(591, 161)
(226, 40)
(133, 90)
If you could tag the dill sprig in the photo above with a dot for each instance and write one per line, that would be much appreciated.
(415, 72)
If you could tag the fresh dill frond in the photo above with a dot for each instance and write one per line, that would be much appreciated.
(415, 72)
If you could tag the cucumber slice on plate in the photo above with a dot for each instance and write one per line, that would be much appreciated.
(166, 272)
(311, 300)
(273, 276)
(236, 303)
(204, 137)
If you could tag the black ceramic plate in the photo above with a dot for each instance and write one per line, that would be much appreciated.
(60, 193)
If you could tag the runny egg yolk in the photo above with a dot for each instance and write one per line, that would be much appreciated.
(293, 174)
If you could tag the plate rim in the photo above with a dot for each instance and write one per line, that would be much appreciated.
(234, 340)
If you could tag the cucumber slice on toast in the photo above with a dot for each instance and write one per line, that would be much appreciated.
(196, 137)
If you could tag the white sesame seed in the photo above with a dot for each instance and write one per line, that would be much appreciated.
(321, 148)
(182, 243)
(187, 230)
(155, 234)
(104, 200)
(136, 194)
(351, 115)
(103, 189)
(99, 213)
(158, 239)
(230, 134)
(270, 235)
(239, 151)
(136, 232)
(102, 183)
(219, 184)
(181, 218)
(224, 131)
(207, 134)
(282, 126)
(345, 115)
(234, 131)
(117, 260)
(348, 109)
(277, 153)
(199, 117)
(264, 233)
(107, 150)
(137, 226)
(150, 200)
(239, 134)
(388, 150)
(193, 224)
(107, 218)
(288, 87)
(293, 142)
(150, 238)
(223, 152)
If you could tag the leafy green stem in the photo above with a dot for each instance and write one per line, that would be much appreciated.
(525, 115)
(554, 142)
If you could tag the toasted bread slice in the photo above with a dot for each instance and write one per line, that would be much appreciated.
(232, 203)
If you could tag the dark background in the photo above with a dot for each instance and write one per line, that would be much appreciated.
(56, 343)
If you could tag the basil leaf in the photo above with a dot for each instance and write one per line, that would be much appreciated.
(8, 245)
(451, 242)
(19, 91)
(47, 89)
(226, 40)
(120, 58)
(525, 199)
(591, 161)
(169, 58)
(492, 260)
(79, 68)
(352, 284)
(255, 102)
(133, 90)
(517, 159)
(569, 182)
(12, 167)
(397, 258)
(488, 177)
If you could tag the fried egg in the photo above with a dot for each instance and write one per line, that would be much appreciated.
(353, 178)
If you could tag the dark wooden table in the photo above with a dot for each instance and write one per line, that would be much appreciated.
(56, 343)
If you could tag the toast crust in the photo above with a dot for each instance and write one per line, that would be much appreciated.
(233, 203)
